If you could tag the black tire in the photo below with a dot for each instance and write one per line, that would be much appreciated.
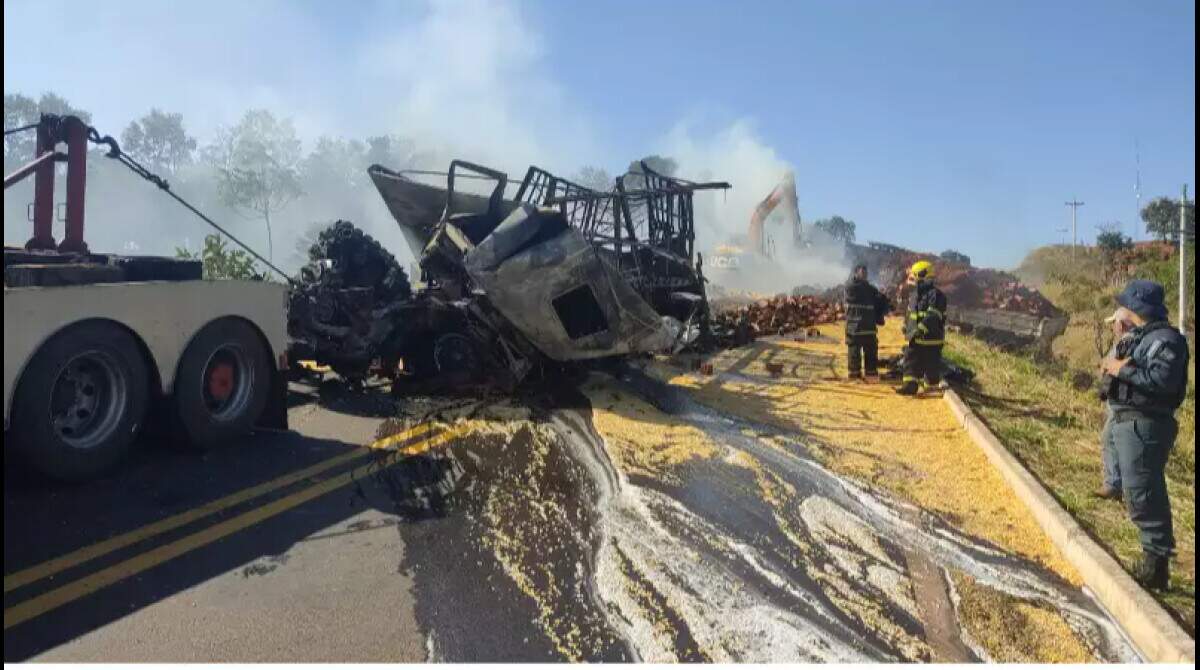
(455, 353)
(209, 416)
(81, 401)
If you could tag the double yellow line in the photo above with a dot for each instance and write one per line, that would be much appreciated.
(62, 595)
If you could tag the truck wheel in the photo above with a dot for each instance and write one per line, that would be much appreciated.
(455, 353)
(81, 401)
(223, 383)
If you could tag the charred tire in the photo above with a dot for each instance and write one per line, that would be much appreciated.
(223, 383)
(81, 401)
(456, 353)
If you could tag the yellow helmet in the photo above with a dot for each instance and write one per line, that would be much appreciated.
(921, 270)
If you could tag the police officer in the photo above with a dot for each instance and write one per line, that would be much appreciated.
(925, 330)
(1148, 386)
(865, 310)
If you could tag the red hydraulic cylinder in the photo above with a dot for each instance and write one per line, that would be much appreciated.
(43, 196)
(30, 168)
(76, 133)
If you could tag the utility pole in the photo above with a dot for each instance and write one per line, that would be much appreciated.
(1183, 261)
(1074, 205)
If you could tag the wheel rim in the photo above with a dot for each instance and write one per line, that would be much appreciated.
(227, 382)
(454, 353)
(88, 399)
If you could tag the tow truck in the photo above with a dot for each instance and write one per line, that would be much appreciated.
(97, 344)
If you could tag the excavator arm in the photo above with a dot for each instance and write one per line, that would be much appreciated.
(784, 192)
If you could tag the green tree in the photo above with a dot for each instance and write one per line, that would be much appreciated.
(337, 162)
(159, 141)
(221, 262)
(595, 178)
(393, 151)
(258, 166)
(1111, 240)
(1162, 218)
(837, 228)
(306, 240)
(957, 257)
(21, 110)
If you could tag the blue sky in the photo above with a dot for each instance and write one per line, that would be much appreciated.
(931, 124)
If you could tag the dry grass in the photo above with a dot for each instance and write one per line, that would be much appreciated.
(1053, 428)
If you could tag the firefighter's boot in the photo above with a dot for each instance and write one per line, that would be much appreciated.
(1154, 572)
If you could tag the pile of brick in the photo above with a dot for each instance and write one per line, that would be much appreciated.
(780, 315)
(969, 288)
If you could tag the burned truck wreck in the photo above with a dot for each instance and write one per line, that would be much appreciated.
(557, 273)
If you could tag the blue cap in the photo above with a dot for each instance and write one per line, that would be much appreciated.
(1144, 298)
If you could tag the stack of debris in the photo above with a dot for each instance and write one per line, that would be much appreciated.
(990, 289)
(774, 316)
(965, 287)
(721, 298)
(346, 302)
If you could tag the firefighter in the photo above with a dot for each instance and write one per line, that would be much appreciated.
(1149, 384)
(865, 309)
(925, 330)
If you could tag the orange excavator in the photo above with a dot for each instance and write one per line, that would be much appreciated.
(784, 193)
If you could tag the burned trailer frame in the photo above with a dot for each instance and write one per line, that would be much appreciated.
(648, 232)
(553, 274)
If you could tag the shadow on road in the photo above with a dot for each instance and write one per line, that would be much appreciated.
(270, 512)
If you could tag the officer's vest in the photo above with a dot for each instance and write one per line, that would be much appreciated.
(1125, 394)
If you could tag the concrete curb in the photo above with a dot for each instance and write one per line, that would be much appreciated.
(1157, 635)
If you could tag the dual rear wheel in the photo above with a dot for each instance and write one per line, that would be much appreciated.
(83, 398)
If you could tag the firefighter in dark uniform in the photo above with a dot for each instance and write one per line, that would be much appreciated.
(865, 310)
(925, 330)
(1147, 387)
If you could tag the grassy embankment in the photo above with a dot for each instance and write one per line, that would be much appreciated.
(1051, 420)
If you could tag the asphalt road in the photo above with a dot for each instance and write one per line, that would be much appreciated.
(336, 542)
(282, 547)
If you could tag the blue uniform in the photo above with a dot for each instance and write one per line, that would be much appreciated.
(1142, 428)
(1108, 448)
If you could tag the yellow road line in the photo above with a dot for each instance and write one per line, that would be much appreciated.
(91, 552)
(53, 599)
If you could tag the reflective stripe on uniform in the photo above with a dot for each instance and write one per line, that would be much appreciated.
(928, 343)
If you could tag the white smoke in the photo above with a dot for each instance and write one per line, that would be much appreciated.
(461, 78)
(469, 79)
(737, 154)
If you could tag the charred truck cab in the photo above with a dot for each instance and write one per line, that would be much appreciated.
(555, 274)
